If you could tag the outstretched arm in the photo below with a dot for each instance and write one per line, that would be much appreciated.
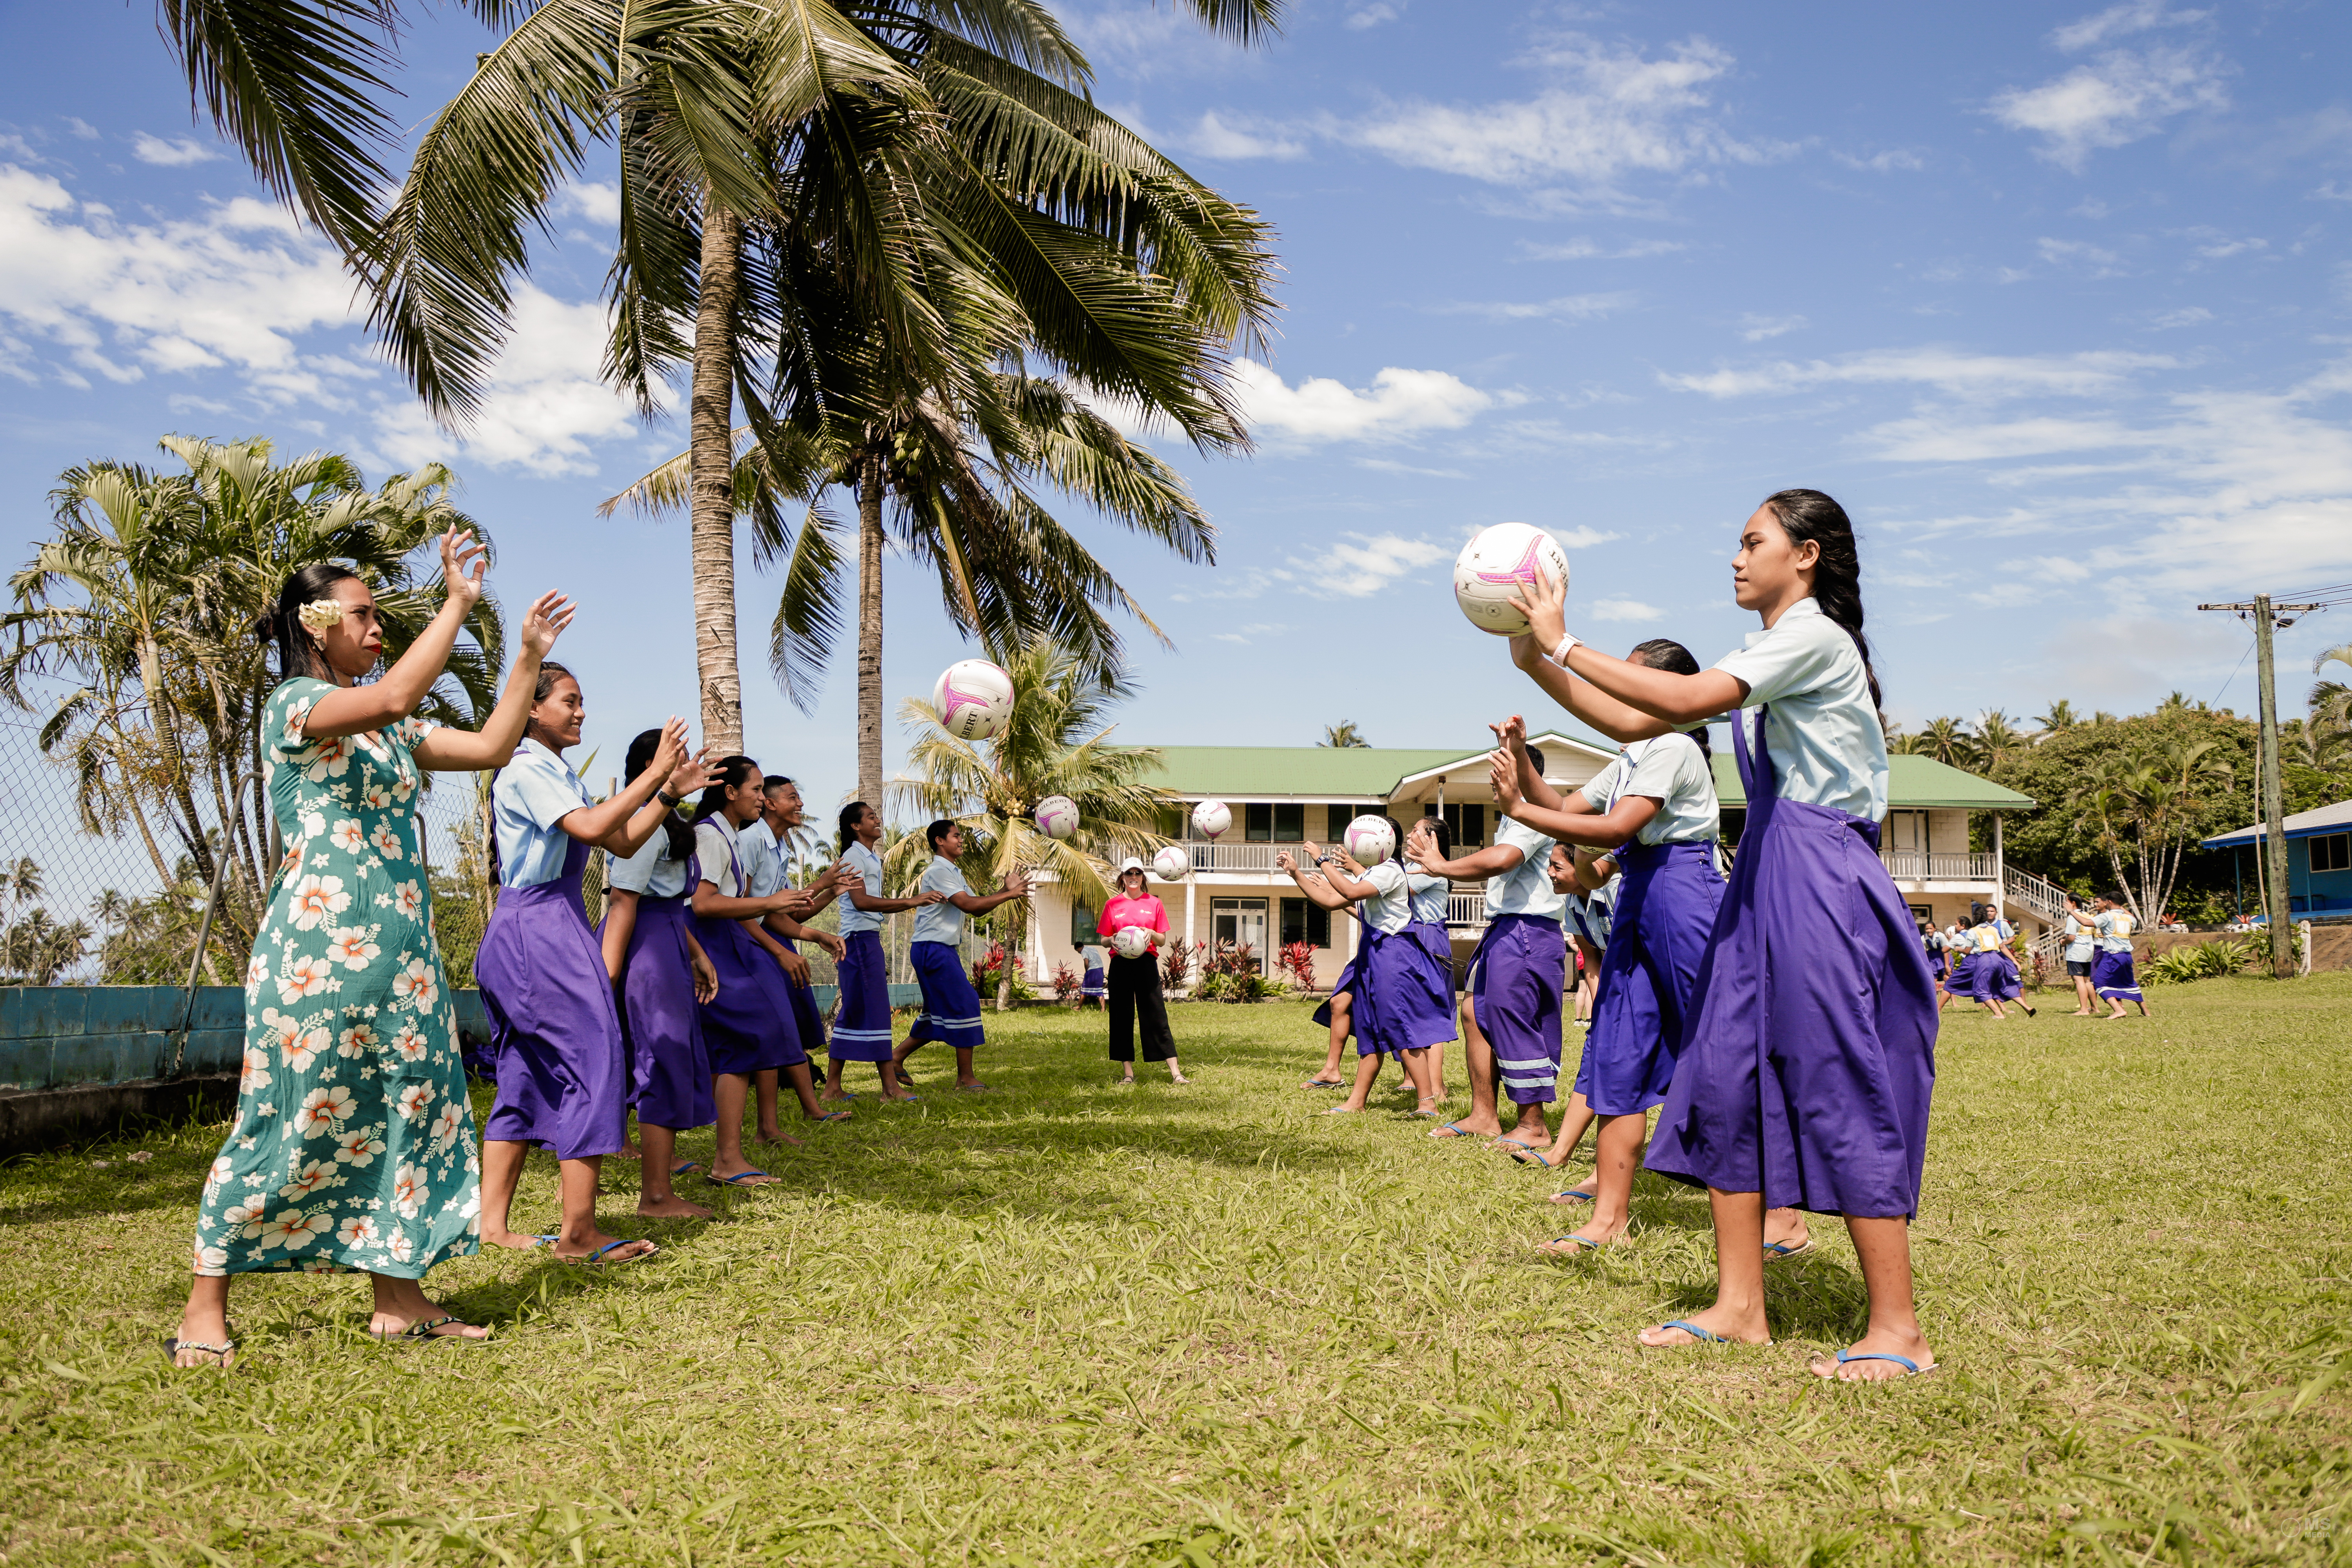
(1317, 890)
(1623, 700)
(1016, 886)
(466, 751)
(354, 709)
(1576, 823)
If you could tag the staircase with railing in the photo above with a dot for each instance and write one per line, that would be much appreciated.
(2046, 901)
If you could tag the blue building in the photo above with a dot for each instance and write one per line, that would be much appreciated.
(2318, 857)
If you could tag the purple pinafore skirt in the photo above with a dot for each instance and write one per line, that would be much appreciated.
(562, 1079)
(1806, 1072)
(749, 1027)
(669, 1063)
(1666, 915)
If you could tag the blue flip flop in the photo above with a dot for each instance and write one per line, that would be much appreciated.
(1525, 1151)
(683, 1166)
(1451, 1130)
(597, 1259)
(738, 1179)
(1687, 1326)
(1774, 1251)
(1570, 1194)
(1910, 1368)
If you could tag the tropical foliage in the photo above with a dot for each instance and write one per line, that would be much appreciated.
(132, 635)
(1343, 735)
(36, 947)
(1058, 742)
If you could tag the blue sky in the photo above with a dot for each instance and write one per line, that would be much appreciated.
(2058, 303)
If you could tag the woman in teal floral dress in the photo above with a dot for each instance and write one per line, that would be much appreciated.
(354, 1147)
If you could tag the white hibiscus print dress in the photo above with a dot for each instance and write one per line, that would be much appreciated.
(354, 1142)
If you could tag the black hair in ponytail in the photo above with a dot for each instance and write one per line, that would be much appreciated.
(642, 751)
(549, 673)
(1396, 838)
(1664, 653)
(851, 816)
(1435, 823)
(298, 654)
(730, 774)
(1810, 516)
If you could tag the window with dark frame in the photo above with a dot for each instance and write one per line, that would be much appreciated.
(1290, 822)
(1258, 823)
(2332, 853)
(1304, 919)
(1467, 824)
(1083, 917)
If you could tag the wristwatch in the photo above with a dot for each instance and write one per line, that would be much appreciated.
(669, 799)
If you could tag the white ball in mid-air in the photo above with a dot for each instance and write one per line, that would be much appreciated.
(1211, 817)
(973, 699)
(1170, 864)
(1131, 941)
(1369, 840)
(1496, 565)
(1057, 817)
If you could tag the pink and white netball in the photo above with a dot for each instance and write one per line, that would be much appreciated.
(1498, 565)
(973, 699)
(1057, 817)
(1211, 817)
(1170, 864)
(1368, 841)
(1130, 941)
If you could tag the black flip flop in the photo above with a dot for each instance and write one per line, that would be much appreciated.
(172, 1347)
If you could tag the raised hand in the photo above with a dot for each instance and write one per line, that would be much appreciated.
(671, 750)
(1545, 605)
(1503, 774)
(1283, 862)
(465, 562)
(1016, 882)
(542, 623)
(1310, 849)
(689, 774)
(1512, 735)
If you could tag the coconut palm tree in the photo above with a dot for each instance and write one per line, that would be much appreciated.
(2060, 718)
(2144, 800)
(1057, 742)
(1343, 735)
(1945, 738)
(1996, 739)
(836, 213)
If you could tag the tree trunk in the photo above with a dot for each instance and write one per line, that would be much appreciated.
(869, 633)
(712, 449)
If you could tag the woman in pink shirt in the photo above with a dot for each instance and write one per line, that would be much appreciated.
(1135, 981)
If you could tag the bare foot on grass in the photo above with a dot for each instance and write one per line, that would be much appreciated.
(671, 1207)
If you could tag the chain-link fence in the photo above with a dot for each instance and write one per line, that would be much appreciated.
(125, 905)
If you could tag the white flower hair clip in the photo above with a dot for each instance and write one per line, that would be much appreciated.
(322, 615)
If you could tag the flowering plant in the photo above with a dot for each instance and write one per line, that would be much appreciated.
(322, 615)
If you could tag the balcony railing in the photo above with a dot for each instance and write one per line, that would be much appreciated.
(1227, 855)
(1917, 866)
(1465, 909)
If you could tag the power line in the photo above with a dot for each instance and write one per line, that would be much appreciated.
(2233, 675)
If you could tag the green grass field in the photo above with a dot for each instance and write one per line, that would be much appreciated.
(1071, 1324)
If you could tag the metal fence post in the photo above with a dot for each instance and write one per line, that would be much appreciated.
(196, 966)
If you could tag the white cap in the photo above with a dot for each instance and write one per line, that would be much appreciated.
(1129, 864)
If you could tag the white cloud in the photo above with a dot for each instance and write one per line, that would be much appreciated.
(1949, 371)
(598, 203)
(1625, 610)
(1756, 329)
(1604, 114)
(1882, 162)
(1581, 537)
(1368, 564)
(1397, 403)
(174, 154)
(1215, 137)
(1567, 308)
(2120, 21)
(1251, 633)
(2098, 260)
(1592, 251)
(83, 129)
(1372, 16)
(2188, 317)
(2113, 101)
(1385, 466)
(241, 302)
(2220, 247)
(2333, 191)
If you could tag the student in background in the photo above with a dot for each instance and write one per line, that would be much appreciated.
(661, 974)
(861, 1031)
(2112, 976)
(1135, 986)
(2081, 947)
(763, 845)
(950, 1006)
(1519, 976)
(748, 1025)
(1094, 984)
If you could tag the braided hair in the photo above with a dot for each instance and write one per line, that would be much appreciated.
(642, 751)
(1664, 653)
(1810, 516)
(297, 653)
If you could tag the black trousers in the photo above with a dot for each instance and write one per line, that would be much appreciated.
(1135, 988)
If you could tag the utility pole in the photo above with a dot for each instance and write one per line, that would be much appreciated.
(2265, 617)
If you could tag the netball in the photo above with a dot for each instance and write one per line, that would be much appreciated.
(1369, 840)
(1211, 817)
(974, 698)
(1057, 817)
(1170, 864)
(1499, 564)
(1130, 941)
